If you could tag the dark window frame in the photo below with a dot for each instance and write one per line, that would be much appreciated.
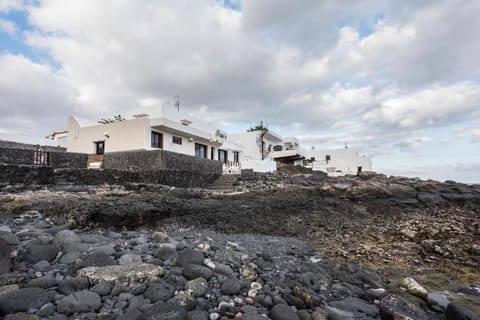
(154, 143)
(99, 150)
(177, 140)
(212, 153)
(236, 156)
(198, 154)
(225, 153)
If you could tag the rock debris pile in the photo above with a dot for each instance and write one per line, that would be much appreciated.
(366, 247)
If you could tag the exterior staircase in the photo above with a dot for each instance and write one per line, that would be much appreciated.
(95, 161)
(225, 183)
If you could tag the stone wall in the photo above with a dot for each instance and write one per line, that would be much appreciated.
(68, 160)
(57, 159)
(151, 167)
(26, 175)
(164, 167)
(16, 156)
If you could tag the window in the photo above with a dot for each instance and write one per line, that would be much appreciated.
(327, 158)
(157, 140)
(222, 156)
(177, 140)
(235, 156)
(200, 151)
(100, 147)
(212, 153)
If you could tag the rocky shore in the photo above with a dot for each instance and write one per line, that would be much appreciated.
(303, 247)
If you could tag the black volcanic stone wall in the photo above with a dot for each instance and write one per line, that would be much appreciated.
(134, 160)
(56, 159)
(164, 167)
(16, 156)
(27, 175)
(152, 167)
(68, 160)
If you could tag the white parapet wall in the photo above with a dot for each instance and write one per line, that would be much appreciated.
(260, 165)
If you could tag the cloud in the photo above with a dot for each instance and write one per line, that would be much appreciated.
(434, 106)
(40, 103)
(476, 135)
(9, 5)
(412, 144)
(8, 27)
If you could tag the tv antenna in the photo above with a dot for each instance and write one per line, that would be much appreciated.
(177, 103)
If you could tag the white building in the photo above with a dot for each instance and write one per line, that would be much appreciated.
(166, 128)
(276, 151)
(257, 149)
(338, 162)
(156, 128)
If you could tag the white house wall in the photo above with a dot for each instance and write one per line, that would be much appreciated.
(342, 161)
(118, 136)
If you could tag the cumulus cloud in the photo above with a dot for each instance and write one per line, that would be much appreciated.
(476, 135)
(8, 27)
(33, 98)
(435, 106)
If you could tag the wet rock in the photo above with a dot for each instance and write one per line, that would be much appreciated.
(414, 288)
(226, 309)
(5, 261)
(47, 310)
(73, 284)
(81, 302)
(42, 266)
(21, 316)
(193, 271)
(184, 299)
(189, 257)
(66, 240)
(197, 287)
(283, 312)
(159, 291)
(438, 301)
(129, 273)
(39, 252)
(457, 312)
(197, 315)
(337, 314)
(129, 259)
(165, 311)
(45, 282)
(223, 269)
(9, 238)
(309, 298)
(358, 307)
(70, 257)
(159, 236)
(231, 286)
(166, 251)
(22, 300)
(98, 259)
(102, 288)
(394, 307)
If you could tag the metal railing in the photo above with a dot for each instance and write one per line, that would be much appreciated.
(40, 157)
(231, 167)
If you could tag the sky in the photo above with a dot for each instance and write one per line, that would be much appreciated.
(398, 79)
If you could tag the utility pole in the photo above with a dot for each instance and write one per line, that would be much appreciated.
(263, 142)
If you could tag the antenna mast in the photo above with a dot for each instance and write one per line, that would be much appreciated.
(177, 103)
